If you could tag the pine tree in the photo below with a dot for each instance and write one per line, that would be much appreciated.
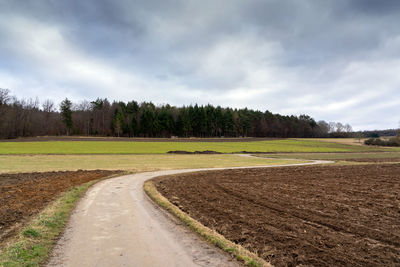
(66, 114)
(118, 121)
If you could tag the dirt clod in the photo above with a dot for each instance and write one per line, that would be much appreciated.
(310, 216)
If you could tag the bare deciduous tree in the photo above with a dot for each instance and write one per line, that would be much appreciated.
(4, 96)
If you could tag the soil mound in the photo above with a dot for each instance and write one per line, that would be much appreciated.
(195, 152)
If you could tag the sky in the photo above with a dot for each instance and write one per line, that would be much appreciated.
(335, 60)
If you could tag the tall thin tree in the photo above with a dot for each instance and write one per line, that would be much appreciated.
(66, 114)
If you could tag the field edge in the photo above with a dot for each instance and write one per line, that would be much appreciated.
(36, 239)
(212, 237)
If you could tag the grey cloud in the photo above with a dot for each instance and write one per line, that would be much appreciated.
(285, 56)
(372, 7)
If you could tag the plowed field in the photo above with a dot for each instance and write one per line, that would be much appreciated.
(25, 194)
(313, 216)
(375, 160)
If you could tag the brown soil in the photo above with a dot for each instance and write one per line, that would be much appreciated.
(195, 152)
(374, 160)
(25, 194)
(309, 216)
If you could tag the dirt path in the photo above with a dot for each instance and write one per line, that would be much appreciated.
(116, 224)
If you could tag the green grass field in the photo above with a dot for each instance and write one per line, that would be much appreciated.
(134, 163)
(107, 147)
(147, 156)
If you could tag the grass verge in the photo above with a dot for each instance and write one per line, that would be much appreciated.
(240, 253)
(33, 244)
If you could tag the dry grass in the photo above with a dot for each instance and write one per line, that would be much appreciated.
(135, 163)
(211, 236)
(332, 156)
(343, 141)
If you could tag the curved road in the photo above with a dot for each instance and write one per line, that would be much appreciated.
(116, 224)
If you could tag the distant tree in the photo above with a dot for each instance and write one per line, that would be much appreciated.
(4, 113)
(307, 124)
(339, 127)
(4, 96)
(147, 119)
(131, 118)
(82, 118)
(229, 123)
(244, 122)
(66, 114)
(347, 128)
(102, 117)
(98, 115)
(49, 123)
(332, 127)
(398, 131)
(209, 117)
(118, 121)
(340, 130)
(373, 135)
(323, 129)
(358, 135)
(183, 122)
(166, 121)
(48, 106)
(219, 121)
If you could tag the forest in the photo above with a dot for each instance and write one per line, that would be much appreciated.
(100, 117)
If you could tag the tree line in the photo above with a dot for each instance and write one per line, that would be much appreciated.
(393, 141)
(24, 118)
(379, 133)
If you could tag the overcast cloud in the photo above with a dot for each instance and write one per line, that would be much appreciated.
(336, 60)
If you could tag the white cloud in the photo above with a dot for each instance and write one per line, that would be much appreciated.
(208, 52)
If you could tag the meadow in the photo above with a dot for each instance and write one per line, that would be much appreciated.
(132, 163)
(132, 147)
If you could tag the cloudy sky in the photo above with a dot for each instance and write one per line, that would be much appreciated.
(336, 60)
